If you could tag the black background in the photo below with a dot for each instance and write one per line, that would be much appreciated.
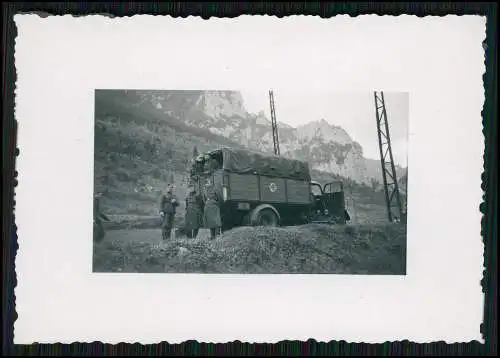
(233, 9)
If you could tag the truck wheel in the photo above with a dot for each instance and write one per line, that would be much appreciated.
(266, 217)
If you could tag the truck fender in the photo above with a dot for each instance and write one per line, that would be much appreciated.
(259, 208)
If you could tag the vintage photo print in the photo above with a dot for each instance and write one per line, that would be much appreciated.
(198, 181)
(189, 179)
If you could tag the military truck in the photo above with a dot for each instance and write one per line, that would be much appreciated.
(264, 190)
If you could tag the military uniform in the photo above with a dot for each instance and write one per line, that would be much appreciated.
(99, 232)
(210, 165)
(194, 217)
(211, 213)
(168, 206)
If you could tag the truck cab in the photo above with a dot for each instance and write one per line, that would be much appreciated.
(328, 202)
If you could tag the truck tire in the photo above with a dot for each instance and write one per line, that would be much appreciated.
(266, 217)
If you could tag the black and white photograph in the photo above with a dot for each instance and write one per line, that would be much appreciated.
(187, 179)
(221, 181)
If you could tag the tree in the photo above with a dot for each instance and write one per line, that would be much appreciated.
(195, 152)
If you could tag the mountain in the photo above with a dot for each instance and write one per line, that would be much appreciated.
(139, 150)
(144, 140)
(325, 146)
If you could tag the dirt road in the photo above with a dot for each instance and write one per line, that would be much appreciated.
(373, 249)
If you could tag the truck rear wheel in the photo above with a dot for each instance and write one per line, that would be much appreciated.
(267, 217)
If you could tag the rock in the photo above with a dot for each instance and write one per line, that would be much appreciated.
(183, 251)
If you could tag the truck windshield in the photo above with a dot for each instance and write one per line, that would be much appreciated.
(333, 187)
(315, 189)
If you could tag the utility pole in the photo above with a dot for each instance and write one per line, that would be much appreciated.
(390, 181)
(274, 125)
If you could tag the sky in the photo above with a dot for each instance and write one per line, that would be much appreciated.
(353, 111)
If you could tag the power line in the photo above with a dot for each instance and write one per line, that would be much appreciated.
(274, 124)
(390, 181)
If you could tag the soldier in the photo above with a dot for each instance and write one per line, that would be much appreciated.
(168, 206)
(211, 211)
(210, 164)
(193, 219)
(99, 216)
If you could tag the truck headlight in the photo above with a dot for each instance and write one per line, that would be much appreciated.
(224, 193)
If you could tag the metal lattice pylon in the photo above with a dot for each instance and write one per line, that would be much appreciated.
(389, 177)
(274, 125)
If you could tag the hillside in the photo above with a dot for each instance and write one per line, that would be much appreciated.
(308, 249)
(325, 146)
(144, 140)
(138, 152)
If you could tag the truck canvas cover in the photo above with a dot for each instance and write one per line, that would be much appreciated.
(244, 161)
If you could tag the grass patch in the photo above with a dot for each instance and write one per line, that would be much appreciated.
(314, 249)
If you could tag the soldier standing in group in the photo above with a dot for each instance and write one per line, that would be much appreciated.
(210, 165)
(211, 211)
(193, 219)
(99, 216)
(168, 206)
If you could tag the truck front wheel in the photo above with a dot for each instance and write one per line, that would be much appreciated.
(267, 217)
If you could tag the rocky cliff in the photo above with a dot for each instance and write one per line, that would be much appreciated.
(324, 145)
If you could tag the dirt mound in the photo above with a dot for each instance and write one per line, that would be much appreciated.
(316, 249)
